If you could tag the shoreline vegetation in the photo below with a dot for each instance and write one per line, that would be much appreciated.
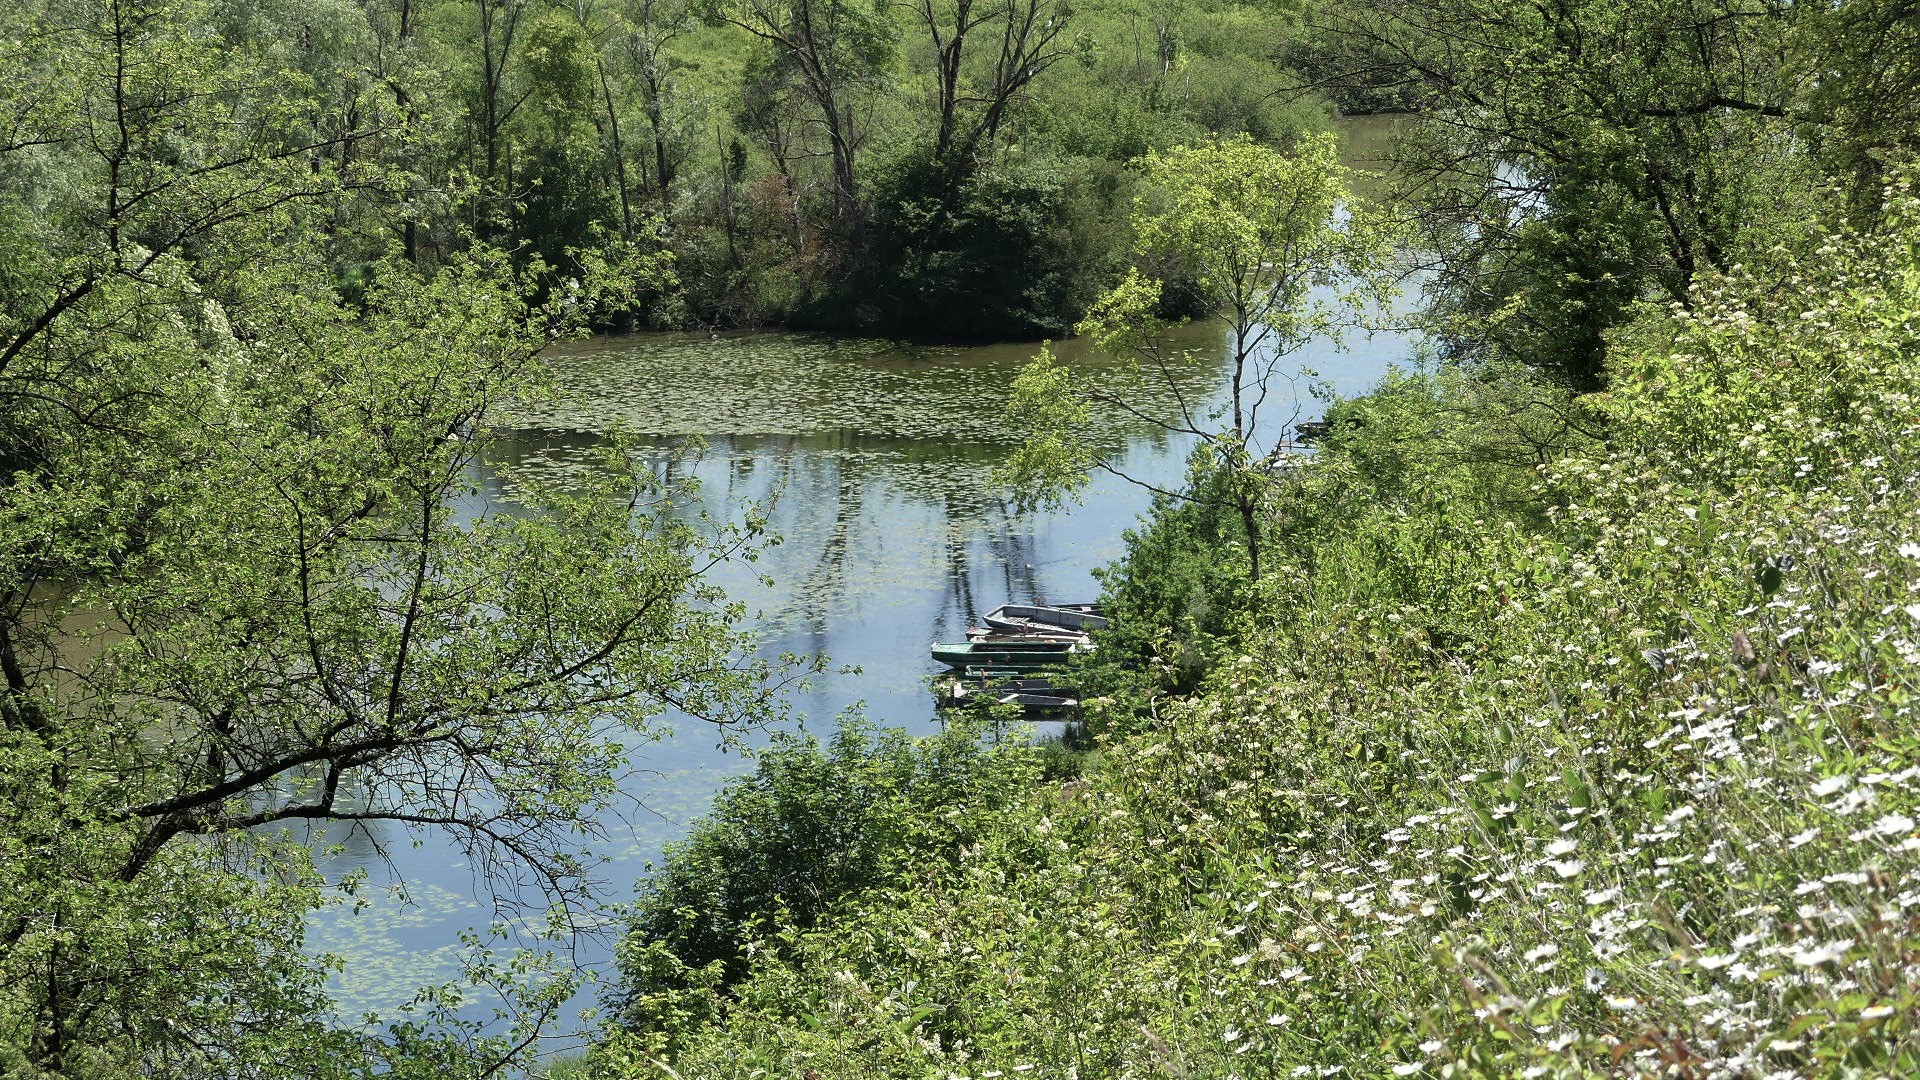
(1571, 734)
(1555, 719)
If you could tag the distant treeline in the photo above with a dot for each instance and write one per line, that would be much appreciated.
(961, 169)
(935, 169)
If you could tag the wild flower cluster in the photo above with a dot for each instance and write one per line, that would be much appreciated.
(1575, 739)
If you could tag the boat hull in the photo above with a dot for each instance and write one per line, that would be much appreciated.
(1044, 700)
(1039, 618)
(1022, 656)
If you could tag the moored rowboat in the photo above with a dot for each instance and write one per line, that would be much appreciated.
(1028, 654)
(1032, 701)
(1002, 676)
(1030, 618)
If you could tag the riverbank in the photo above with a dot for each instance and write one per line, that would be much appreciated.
(1572, 735)
(874, 464)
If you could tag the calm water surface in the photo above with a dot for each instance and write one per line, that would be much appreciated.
(874, 462)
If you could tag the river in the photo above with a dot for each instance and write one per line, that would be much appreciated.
(874, 460)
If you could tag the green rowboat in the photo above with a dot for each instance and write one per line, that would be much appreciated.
(1013, 655)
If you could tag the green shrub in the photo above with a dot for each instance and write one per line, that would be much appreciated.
(1011, 251)
(814, 825)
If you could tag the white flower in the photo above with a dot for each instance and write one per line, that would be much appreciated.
(1877, 1012)
(1562, 847)
(1802, 839)
(1432, 1047)
(1857, 799)
(1569, 868)
(1822, 953)
(1715, 963)
(1407, 1068)
(1833, 783)
(1231, 1035)
(1541, 952)
(1893, 825)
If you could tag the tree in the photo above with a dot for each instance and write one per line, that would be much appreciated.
(497, 25)
(243, 579)
(563, 202)
(643, 30)
(1861, 60)
(629, 57)
(815, 830)
(832, 48)
(1254, 236)
(1575, 158)
(1030, 36)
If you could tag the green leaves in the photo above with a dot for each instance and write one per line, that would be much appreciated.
(1518, 761)
(1580, 157)
(1249, 232)
(1253, 226)
(279, 599)
(1048, 405)
(816, 833)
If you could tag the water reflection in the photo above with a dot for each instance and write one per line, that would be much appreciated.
(874, 463)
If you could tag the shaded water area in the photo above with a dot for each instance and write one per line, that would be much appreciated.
(873, 461)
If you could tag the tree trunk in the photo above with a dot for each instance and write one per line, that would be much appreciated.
(619, 151)
(663, 169)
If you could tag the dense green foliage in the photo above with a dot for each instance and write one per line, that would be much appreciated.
(244, 582)
(1579, 157)
(784, 848)
(1251, 238)
(935, 170)
(1558, 717)
(1575, 741)
(1176, 600)
(1012, 252)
